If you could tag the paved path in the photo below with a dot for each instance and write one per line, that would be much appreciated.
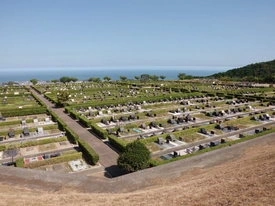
(54, 181)
(107, 156)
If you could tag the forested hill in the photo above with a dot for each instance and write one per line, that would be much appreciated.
(263, 72)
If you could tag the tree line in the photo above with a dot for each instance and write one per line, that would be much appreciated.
(141, 78)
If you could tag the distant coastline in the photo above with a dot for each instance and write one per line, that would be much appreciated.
(48, 74)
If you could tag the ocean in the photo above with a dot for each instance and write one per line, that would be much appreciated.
(48, 74)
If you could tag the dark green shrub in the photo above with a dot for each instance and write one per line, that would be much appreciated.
(135, 157)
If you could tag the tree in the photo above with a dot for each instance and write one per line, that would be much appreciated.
(55, 80)
(144, 77)
(107, 78)
(162, 77)
(34, 81)
(123, 78)
(68, 79)
(135, 157)
(94, 79)
(183, 76)
(137, 77)
(62, 97)
(154, 77)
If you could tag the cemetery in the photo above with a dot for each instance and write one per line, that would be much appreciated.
(29, 136)
(166, 116)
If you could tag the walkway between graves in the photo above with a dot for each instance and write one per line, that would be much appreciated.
(107, 156)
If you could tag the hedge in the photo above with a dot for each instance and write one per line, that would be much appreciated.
(72, 113)
(99, 131)
(88, 153)
(7, 123)
(23, 111)
(38, 100)
(86, 123)
(118, 143)
(72, 137)
(83, 120)
(19, 162)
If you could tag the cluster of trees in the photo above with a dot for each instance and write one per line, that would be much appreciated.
(263, 72)
(148, 77)
(68, 79)
(142, 78)
(183, 76)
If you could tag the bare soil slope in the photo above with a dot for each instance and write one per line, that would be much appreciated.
(247, 180)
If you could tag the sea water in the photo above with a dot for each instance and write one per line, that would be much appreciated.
(48, 74)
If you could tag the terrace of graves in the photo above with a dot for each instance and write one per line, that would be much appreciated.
(167, 115)
(171, 118)
(28, 134)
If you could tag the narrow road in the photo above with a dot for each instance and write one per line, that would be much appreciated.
(107, 156)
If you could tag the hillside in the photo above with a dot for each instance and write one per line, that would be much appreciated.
(263, 72)
(247, 179)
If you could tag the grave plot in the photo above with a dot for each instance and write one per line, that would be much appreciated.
(29, 132)
(78, 165)
(16, 97)
(169, 142)
(151, 111)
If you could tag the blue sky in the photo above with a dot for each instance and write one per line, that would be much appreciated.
(87, 33)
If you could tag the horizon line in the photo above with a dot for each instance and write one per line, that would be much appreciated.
(125, 67)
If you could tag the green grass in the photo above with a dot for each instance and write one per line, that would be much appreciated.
(246, 138)
(32, 143)
(46, 147)
(242, 122)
